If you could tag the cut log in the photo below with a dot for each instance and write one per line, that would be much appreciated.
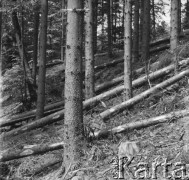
(60, 114)
(29, 151)
(141, 124)
(124, 105)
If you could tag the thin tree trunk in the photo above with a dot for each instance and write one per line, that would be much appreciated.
(95, 25)
(35, 42)
(42, 60)
(127, 51)
(89, 51)
(63, 40)
(141, 124)
(136, 33)
(174, 30)
(23, 56)
(153, 17)
(109, 2)
(73, 121)
(179, 16)
(1, 59)
(141, 20)
(146, 32)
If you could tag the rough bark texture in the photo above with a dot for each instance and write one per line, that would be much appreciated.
(29, 151)
(135, 53)
(110, 11)
(127, 51)
(73, 123)
(141, 124)
(89, 51)
(121, 107)
(141, 20)
(146, 31)
(42, 60)
(35, 42)
(174, 30)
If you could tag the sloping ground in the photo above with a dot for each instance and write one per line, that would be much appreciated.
(156, 143)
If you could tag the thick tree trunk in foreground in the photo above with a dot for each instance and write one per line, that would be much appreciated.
(146, 32)
(30, 151)
(73, 121)
(135, 53)
(127, 51)
(1, 60)
(42, 60)
(121, 107)
(89, 51)
(35, 42)
(141, 124)
(174, 30)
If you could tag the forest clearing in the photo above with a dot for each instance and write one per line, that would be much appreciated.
(94, 89)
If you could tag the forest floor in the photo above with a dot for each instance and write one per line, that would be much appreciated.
(158, 144)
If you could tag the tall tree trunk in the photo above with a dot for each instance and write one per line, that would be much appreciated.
(89, 52)
(153, 17)
(110, 3)
(35, 42)
(179, 16)
(174, 30)
(141, 20)
(1, 59)
(63, 40)
(95, 24)
(127, 51)
(42, 60)
(73, 121)
(146, 31)
(136, 33)
(102, 17)
(23, 56)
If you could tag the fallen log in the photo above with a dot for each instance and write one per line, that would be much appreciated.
(124, 105)
(141, 124)
(111, 93)
(29, 151)
(59, 104)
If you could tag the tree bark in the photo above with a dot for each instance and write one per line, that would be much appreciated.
(153, 17)
(95, 25)
(1, 59)
(174, 30)
(141, 20)
(89, 51)
(30, 151)
(136, 33)
(141, 124)
(121, 107)
(110, 11)
(146, 32)
(127, 51)
(42, 60)
(35, 42)
(179, 17)
(63, 40)
(73, 123)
